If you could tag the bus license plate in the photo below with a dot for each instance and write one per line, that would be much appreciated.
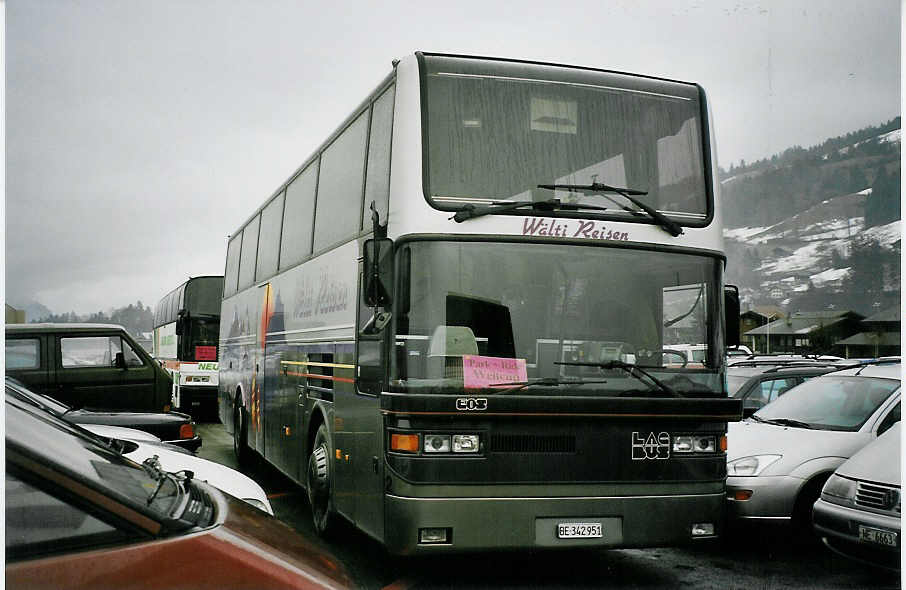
(579, 530)
(877, 536)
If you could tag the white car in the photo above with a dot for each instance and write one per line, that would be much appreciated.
(138, 445)
(779, 459)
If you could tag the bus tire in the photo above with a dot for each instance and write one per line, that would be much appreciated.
(318, 484)
(240, 434)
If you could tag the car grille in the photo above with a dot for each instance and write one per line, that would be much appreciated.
(879, 497)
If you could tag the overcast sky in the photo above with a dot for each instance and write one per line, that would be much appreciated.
(141, 133)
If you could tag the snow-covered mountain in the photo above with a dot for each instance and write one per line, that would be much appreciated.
(820, 252)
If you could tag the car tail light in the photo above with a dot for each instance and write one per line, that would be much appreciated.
(186, 431)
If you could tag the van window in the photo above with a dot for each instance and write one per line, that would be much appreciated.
(96, 351)
(23, 354)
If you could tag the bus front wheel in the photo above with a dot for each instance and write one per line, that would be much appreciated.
(318, 483)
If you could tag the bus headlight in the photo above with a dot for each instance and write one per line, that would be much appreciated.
(437, 443)
(465, 443)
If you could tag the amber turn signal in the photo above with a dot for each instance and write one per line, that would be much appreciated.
(404, 442)
(742, 495)
(723, 443)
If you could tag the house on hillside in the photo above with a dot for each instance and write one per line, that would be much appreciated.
(14, 316)
(880, 336)
(758, 316)
(806, 332)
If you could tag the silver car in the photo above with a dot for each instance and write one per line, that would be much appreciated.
(779, 459)
(858, 514)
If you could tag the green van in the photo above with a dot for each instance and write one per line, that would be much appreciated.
(87, 365)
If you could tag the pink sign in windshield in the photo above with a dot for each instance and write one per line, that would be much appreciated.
(484, 371)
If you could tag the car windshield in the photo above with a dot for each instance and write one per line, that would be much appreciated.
(75, 450)
(735, 382)
(832, 402)
(542, 311)
(495, 130)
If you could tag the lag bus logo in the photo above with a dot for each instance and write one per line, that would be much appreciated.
(652, 446)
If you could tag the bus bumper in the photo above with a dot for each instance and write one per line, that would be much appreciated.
(196, 398)
(473, 524)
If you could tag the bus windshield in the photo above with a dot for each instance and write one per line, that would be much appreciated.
(554, 309)
(496, 130)
(203, 296)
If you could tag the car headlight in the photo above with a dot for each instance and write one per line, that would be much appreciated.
(259, 505)
(751, 466)
(839, 488)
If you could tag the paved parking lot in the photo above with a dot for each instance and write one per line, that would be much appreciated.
(748, 559)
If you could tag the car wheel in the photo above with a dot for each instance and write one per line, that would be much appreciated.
(803, 530)
(318, 483)
(240, 434)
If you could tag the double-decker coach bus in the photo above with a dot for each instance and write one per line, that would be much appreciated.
(452, 324)
(185, 340)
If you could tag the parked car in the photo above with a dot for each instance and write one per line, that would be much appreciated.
(139, 445)
(761, 384)
(80, 514)
(780, 457)
(87, 366)
(171, 427)
(858, 514)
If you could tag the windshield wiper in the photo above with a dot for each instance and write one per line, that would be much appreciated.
(544, 381)
(471, 211)
(630, 368)
(663, 221)
(787, 422)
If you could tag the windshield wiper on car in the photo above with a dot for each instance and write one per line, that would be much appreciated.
(630, 368)
(543, 381)
(471, 211)
(786, 422)
(663, 221)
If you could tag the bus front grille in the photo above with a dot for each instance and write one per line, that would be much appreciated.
(532, 443)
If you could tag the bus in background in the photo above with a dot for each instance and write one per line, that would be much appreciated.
(185, 342)
(452, 324)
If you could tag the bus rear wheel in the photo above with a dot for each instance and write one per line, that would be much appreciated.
(240, 433)
(318, 483)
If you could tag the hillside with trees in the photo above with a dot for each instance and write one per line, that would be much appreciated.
(136, 318)
(817, 228)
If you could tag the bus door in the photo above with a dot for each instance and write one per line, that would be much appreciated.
(362, 406)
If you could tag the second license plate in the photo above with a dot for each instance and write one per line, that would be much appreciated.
(579, 530)
(879, 536)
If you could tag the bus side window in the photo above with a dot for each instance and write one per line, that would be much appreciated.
(377, 181)
(340, 186)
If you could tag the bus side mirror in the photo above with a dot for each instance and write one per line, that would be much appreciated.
(731, 314)
(378, 272)
(181, 317)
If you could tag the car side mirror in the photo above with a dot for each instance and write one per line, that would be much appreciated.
(119, 361)
(748, 412)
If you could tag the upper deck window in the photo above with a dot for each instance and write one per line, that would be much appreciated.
(495, 130)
